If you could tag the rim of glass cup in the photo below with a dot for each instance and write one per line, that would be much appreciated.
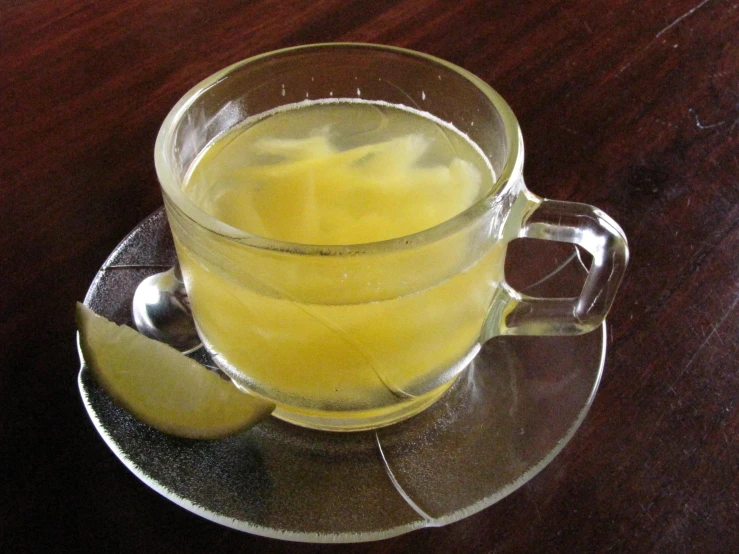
(171, 185)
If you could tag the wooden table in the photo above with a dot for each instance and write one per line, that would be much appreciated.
(629, 105)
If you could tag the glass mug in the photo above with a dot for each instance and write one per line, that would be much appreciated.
(356, 336)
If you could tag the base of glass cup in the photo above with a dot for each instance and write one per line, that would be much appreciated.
(364, 420)
(351, 420)
(360, 421)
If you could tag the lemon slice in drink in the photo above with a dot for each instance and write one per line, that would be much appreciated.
(162, 387)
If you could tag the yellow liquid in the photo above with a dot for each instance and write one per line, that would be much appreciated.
(355, 335)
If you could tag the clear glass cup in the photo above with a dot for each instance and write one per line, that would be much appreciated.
(358, 336)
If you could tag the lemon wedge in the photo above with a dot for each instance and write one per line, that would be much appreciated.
(162, 387)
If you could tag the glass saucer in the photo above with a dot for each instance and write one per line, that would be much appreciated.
(506, 417)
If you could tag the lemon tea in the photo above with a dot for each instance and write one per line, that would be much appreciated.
(330, 173)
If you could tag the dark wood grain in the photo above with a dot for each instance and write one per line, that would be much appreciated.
(631, 105)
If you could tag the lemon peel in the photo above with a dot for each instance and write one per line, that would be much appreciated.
(162, 387)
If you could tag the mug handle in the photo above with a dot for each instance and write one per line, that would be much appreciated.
(571, 222)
